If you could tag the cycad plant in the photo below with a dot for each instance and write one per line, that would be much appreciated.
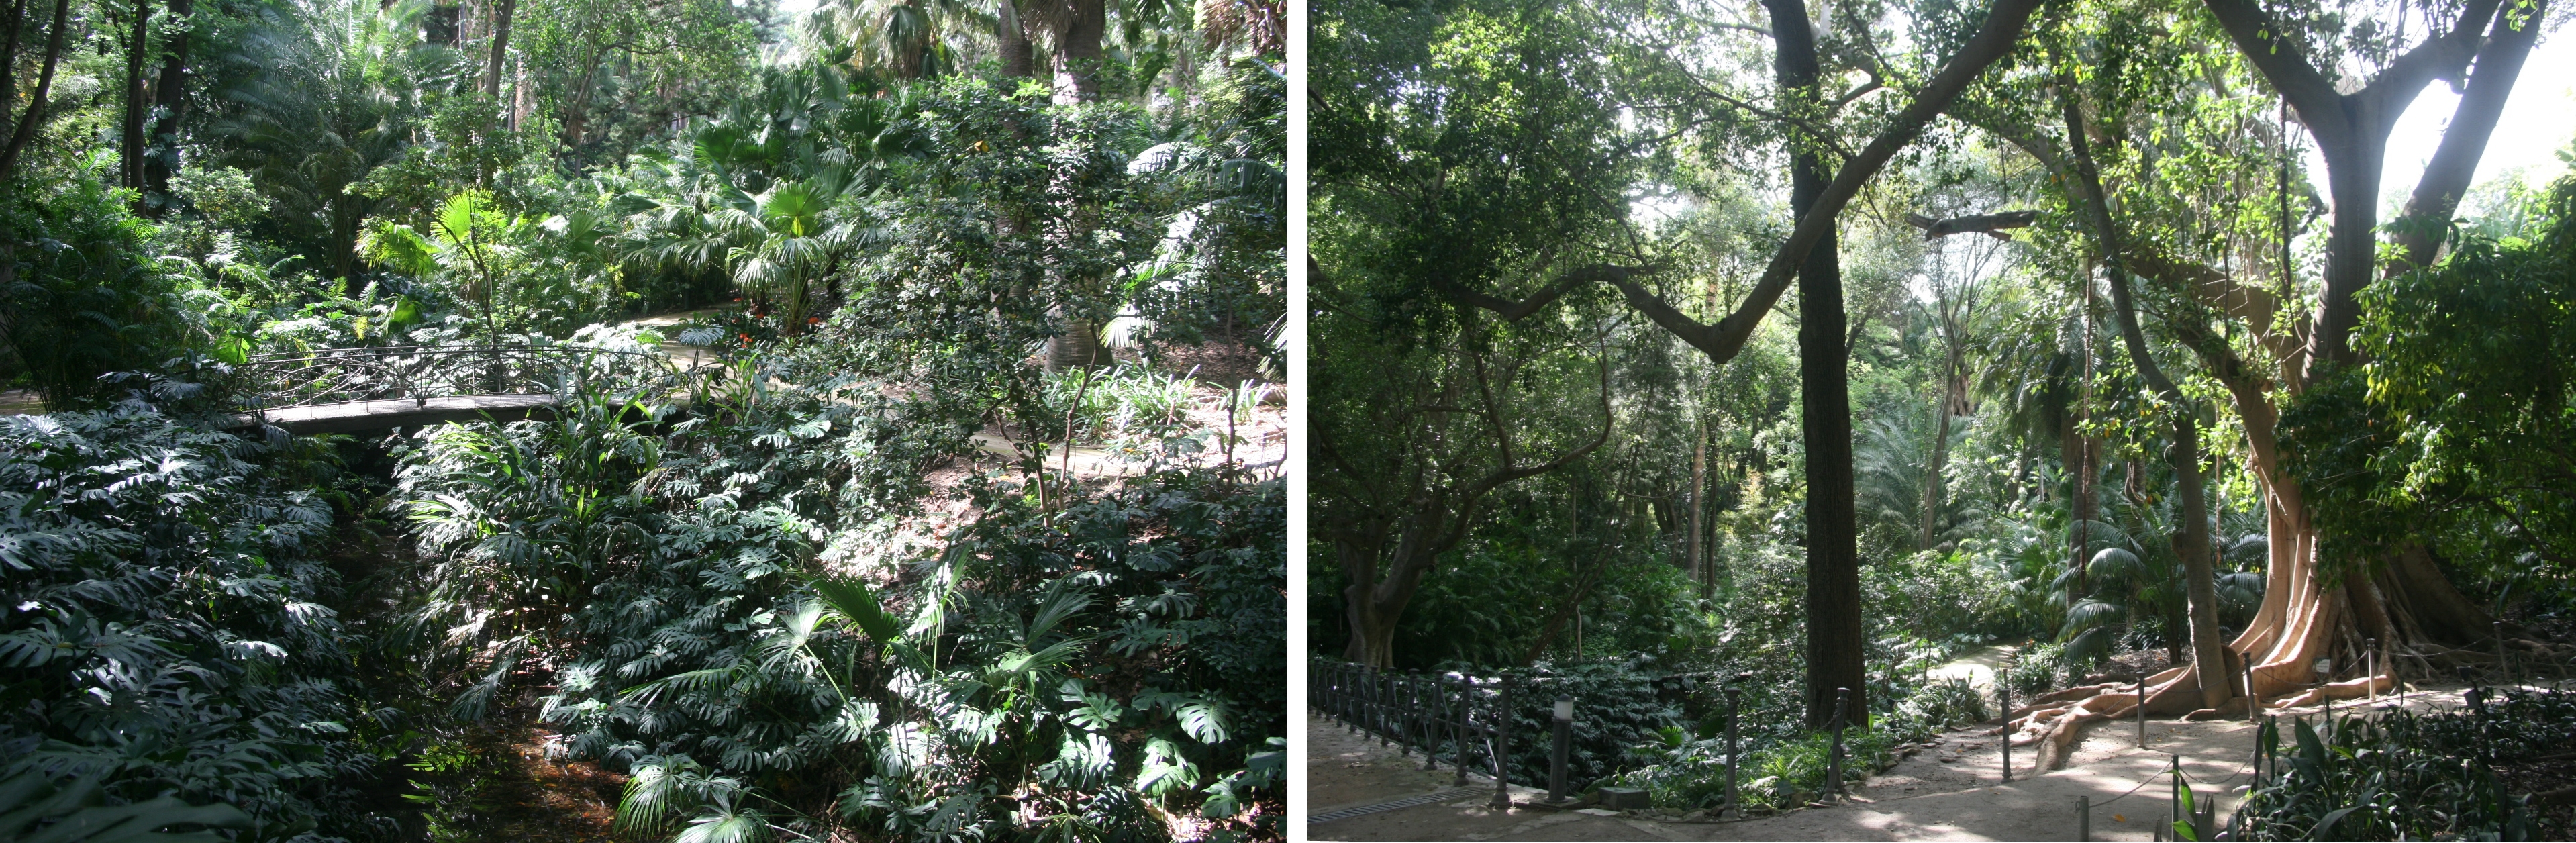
(2130, 585)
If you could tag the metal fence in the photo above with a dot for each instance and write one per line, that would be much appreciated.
(1452, 713)
(284, 380)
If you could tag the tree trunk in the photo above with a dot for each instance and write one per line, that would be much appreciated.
(500, 47)
(2464, 141)
(1077, 66)
(2192, 543)
(1019, 60)
(171, 96)
(1694, 561)
(1952, 389)
(1078, 346)
(137, 103)
(35, 113)
(1834, 631)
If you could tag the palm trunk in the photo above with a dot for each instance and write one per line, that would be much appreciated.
(1077, 70)
(1078, 346)
(136, 101)
(171, 97)
(1019, 60)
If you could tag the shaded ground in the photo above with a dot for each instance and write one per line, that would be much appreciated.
(514, 793)
(20, 402)
(1951, 790)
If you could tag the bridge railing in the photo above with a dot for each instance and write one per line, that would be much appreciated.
(1451, 713)
(285, 380)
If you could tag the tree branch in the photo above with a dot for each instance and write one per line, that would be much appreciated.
(1989, 224)
(2455, 162)
(1722, 341)
(1513, 311)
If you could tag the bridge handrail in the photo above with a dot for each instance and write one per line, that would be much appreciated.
(309, 377)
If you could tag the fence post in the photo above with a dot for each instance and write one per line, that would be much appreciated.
(1556, 756)
(2083, 818)
(1503, 747)
(1351, 699)
(2370, 667)
(2003, 698)
(1404, 700)
(2142, 711)
(2504, 661)
(1466, 703)
(2173, 794)
(1834, 762)
(1734, 707)
(2253, 698)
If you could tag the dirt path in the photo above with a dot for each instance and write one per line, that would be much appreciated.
(1977, 666)
(1951, 791)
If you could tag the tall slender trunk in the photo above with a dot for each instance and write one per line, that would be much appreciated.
(1952, 396)
(137, 102)
(35, 114)
(500, 47)
(1834, 631)
(1697, 562)
(2192, 545)
(170, 96)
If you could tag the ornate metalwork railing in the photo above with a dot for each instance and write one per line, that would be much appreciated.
(283, 380)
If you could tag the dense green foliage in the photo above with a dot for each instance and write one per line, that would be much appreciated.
(2405, 776)
(760, 564)
(2456, 431)
(1535, 223)
(171, 626)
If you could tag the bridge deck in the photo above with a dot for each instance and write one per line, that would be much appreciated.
(401, 412)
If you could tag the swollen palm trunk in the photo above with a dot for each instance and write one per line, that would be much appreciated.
(1078, 346)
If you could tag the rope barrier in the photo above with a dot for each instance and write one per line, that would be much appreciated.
(2141, 783)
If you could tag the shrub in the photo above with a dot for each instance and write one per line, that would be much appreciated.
(169, 629)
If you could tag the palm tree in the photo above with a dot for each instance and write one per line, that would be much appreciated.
(331, 96)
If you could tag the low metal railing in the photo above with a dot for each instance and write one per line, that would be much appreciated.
(285, 380)
(1450, 712)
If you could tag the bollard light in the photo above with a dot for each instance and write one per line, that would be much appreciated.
(1556, 757)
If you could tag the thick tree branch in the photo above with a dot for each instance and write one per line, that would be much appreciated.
(2455, 162)
(1989, 224)
(1514, 310)
(26, 129)
(1723, 340)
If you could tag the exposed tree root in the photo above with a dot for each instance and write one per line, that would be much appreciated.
(2350, 689)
